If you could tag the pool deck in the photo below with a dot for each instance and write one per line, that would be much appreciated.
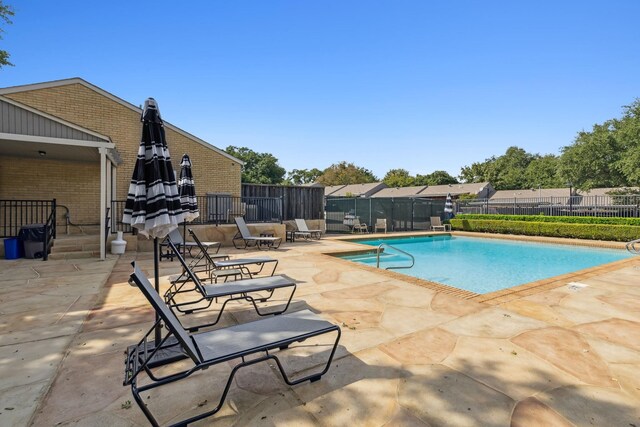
(563, 353)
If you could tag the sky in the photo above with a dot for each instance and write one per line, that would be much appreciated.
(419, 85)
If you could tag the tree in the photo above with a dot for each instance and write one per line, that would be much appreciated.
(6, 12)
(627, 132)
(505, 172)
(345, 173)
(593, 161)
(259, 168)
(543, 172)
(303, 176)
(435, 178)
(398, 178)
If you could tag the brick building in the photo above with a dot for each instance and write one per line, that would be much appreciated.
(75, 142)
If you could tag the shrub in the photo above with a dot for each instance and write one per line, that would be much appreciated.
(561, 219)
(592, 231)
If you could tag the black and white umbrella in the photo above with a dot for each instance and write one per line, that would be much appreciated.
(448, 206)
(187, 191)
(153, 203)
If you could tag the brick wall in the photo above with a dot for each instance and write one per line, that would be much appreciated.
(76, 103)
(75, 185)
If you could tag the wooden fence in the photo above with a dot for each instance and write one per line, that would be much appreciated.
(298, 201)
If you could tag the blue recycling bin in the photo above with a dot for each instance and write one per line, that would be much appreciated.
(13, 248)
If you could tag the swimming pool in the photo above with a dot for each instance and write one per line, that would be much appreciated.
(485, 265)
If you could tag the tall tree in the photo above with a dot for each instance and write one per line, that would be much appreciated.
(6, 12)
(303, 176)
(627, 131)
(542, 172)
(435, 178)
(593, 161)
(345, 173)
(259, 168)
(398, 178)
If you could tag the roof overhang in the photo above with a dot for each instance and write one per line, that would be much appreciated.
(78, 80)
(44, 141)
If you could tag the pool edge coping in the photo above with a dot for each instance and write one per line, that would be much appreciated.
(500, 296)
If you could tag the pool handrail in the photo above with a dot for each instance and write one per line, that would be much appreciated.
(379, 249)
(634, 246)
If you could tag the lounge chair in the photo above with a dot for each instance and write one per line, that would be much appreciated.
(437, 225)
(177, 240)
(241, 264)
(359, 227)
(304, 232)
(246, 344)
(381, 224)
(249, 240)
(232, 291)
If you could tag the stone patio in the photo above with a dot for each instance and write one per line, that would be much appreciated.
(409, 355)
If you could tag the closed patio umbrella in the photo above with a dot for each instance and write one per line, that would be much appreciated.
(153, 203)
(187, 191)
(448, 207)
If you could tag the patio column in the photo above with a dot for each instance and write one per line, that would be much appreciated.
(103, 201)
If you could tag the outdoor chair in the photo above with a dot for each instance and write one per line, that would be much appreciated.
(304, 232)
(177, 240)
(359, 227)
(214, 264)
(232, 291)
(246, 344)
(381, 224)
(436, 224)
(249, 240)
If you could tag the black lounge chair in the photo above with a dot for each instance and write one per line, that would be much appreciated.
(248, 240)
(177, 240)
(260, 289)
(260, 339)
(215, 264)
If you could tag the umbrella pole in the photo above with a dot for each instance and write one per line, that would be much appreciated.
(156, 273)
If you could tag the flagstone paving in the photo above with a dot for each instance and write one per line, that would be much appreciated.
(409, 355)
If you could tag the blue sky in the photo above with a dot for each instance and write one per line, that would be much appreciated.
(419, 85)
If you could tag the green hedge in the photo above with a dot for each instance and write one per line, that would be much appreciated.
(560, 219)
(611, 232)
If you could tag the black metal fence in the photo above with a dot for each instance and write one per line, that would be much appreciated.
(16, 213)
(600, 206)
(402, 214)
(217, 209)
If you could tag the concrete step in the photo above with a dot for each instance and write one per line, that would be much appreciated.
(75, 246)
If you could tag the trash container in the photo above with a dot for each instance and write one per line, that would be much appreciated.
(13, 248)
(33, 237)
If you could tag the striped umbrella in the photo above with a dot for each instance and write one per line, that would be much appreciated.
(448, 204)
(187, 190)
(153, 203)
(188, 200)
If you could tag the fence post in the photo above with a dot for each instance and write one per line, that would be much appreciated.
(55, 213)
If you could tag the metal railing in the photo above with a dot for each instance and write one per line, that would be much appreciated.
(380, 249)
(600, 206)
(16, 213)
(216, 209)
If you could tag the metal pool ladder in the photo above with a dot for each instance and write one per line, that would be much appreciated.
(380, 249)
(634, 246)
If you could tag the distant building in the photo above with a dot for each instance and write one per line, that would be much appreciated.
(354, 190)
(481, 190)
(400, 192)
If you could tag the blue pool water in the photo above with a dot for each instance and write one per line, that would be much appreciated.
(485, 265)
